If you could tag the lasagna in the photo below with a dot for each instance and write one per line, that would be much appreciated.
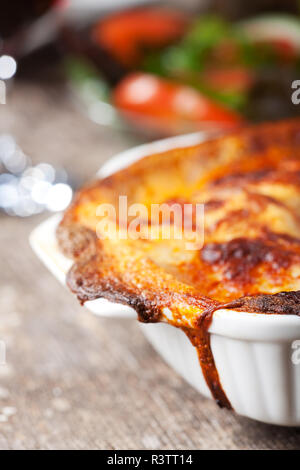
(249, 257)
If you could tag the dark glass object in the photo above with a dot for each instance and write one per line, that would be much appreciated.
(16, 15)
(237, 9)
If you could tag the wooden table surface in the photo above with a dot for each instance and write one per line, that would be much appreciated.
(74, 381)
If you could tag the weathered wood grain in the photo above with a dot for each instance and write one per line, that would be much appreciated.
(74, 381)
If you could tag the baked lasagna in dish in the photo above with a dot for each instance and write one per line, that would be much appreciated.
(248, 257)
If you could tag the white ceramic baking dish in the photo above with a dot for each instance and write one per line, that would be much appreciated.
(256, 355)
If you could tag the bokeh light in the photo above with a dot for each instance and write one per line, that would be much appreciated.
(8, 67)
(26, 190)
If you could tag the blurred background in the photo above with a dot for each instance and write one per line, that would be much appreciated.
(142, 70)
(80, 81)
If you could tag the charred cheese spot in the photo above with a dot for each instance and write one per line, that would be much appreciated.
(241, 256)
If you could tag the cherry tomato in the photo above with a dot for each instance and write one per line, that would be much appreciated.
(125, 35)
(284, 48)
(228, 79)
(226, 51)
(168, 106)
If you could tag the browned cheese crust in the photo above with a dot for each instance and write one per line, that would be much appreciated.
(250, 261)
